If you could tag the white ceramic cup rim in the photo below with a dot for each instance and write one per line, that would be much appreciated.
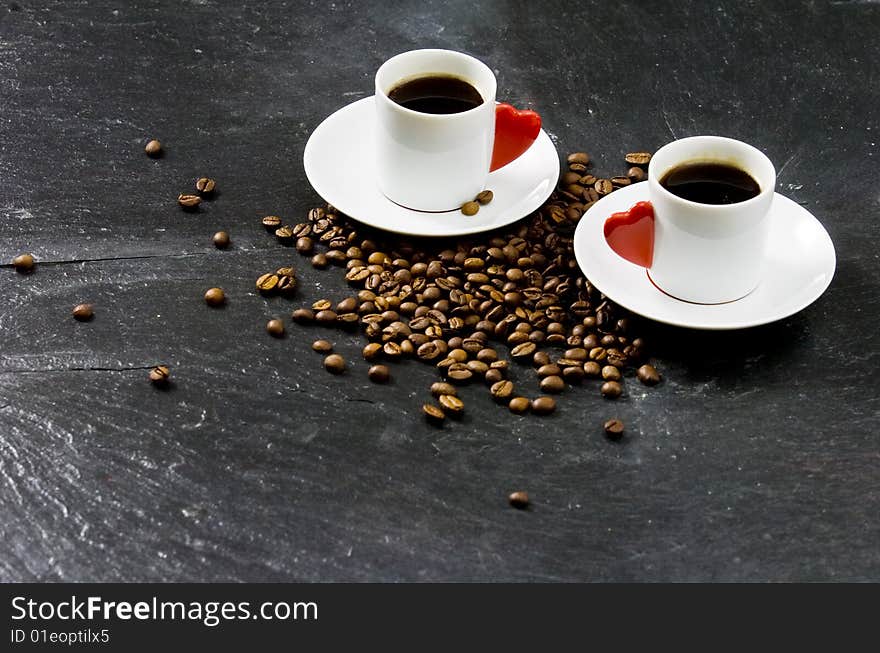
(765, 175)
(384, 86)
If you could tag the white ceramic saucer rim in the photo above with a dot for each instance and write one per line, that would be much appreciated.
(490, 217)
(590, 244)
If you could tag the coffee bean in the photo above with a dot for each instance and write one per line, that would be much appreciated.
(320, 261)
(611, 389)
(372, 351)
(220, 240)
(614, 429)
(636, 174)
(603, 186)
(620, 182)
(441, 388)
(153, 148)
(501, 391)
(519, 500)
(543, 405)
(322, 346)
(523, 350)
(23, 263)
(519, 405)
(326, 316)
(451, 405)
(549, 370)
(303, 316)
(638, 158)
(592, 369)
(577, 353)
(286, 285)
(335, 364)
(648, 375)
(205, 185)
(579, 168)
(271, 222)
(267, 283)
(189, 202)
(379, 374)
(573, 374)
(160, 375)
(433, 414)
(460, 376)
(392, 350)
(552, 384)
(611, 373)
(275, 328)
(493, 376)
(83, 312)
(598, 354)
(478, 367)
(578, 157)
(540, 358)
(470, 208)
(284, 234)
(304, 245)
(215, 297)
(485, 197)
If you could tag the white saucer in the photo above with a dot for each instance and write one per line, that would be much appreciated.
(800, 264)
(339, 164)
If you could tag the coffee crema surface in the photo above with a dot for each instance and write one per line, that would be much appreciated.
(437, 94)
(708, 182)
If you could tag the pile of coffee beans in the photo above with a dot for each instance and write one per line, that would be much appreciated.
(459, 305)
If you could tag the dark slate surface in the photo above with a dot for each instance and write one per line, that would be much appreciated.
(757, 459)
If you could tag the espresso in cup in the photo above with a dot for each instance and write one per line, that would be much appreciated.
(710, 182)
(438, 94)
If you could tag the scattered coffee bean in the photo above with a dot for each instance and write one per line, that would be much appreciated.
(552, 384)
(543, 405)
(611, 389)
(648, 375)
(160, 375)
(23, 263)
(519, 405)
(335, 364)
(441, 388)
(519, 500)
(611, 373)
(303, 316)
(83, 312)
(320, 261)
(205, 185)
(153, 148)
(215, 297)
(379, 374)
(603, 186)
(284, 234)
(433, 414)
(189, 202)
(636, 174)
(451, 405)
(372, 351)
(523, 350)
(638, 158)
(485, 197)
(305, 245)
(275, 327)
(614, 429)
(579, 157)
(326, 317)
(592, 369)
(322, 346)
(271, 222)
(267, 283)
(470, 208)
(220, 240)
(501, 391)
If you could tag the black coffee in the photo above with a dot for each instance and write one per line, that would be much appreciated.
(710, 183)
(436, 94)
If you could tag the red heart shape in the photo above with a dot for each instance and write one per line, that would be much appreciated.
(631, 234)
(515, 131)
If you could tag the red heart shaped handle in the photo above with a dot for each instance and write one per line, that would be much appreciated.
(631, 233)
(515, 131)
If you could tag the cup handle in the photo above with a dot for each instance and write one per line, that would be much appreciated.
(515, 131)
(631, 234)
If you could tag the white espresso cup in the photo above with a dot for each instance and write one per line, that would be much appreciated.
(709, 253)
(437, 162)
